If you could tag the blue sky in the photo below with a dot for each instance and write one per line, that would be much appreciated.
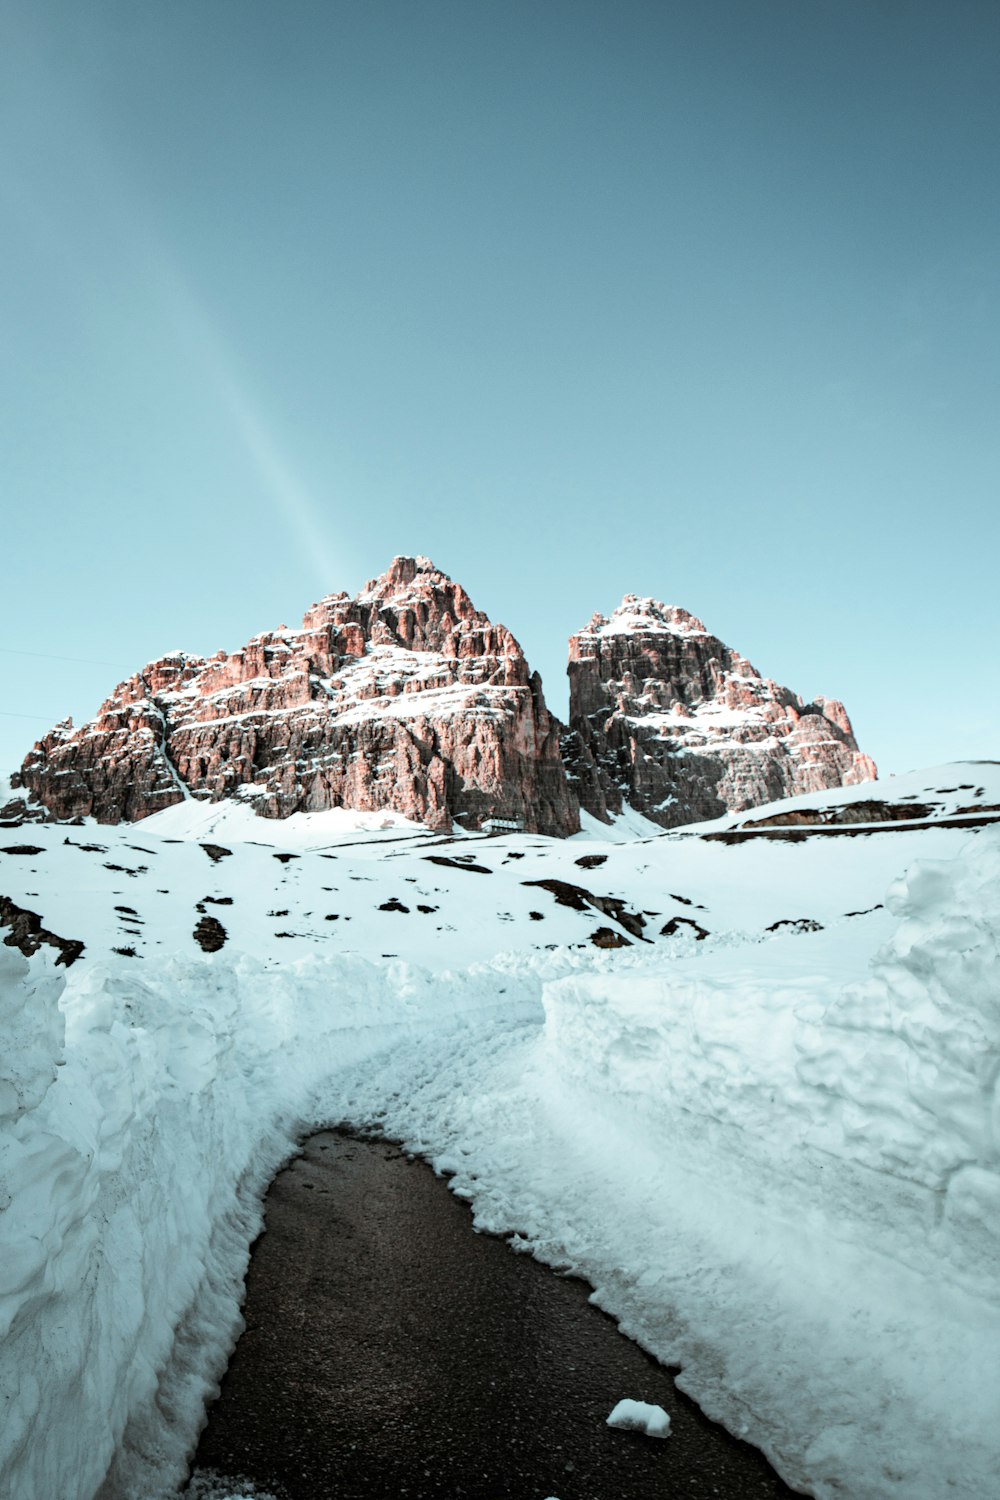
(696, 300)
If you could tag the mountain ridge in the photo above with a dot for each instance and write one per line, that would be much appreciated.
(406, 698)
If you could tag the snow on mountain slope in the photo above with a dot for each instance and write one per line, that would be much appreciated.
(337, 882)
(763, 1126)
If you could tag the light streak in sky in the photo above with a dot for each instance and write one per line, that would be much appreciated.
(219, 370)
(75, 162)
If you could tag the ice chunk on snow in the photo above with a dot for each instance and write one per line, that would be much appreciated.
(640, 1416)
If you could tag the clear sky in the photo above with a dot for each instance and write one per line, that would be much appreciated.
(697, 299)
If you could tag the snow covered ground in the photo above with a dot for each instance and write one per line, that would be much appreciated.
(766, 1127)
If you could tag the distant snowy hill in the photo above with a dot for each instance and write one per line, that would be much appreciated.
(406, 699)
(741, 1076)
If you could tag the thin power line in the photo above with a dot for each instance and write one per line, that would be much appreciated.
(83, 661)
(45, 719)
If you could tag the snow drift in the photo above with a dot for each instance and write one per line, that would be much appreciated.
(891, 1082)
(138, 1130)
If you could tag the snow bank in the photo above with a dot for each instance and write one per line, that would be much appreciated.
(785, 1186)
(884, 1091)
(138, 1129)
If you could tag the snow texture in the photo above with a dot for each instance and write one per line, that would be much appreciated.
(774, 1152)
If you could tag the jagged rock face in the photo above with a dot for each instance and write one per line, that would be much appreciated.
(405, 698)
(667, 718)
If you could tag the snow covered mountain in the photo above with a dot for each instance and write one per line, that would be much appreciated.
(409, 700)
(672, 722)
(740, 1076)
(405, 698)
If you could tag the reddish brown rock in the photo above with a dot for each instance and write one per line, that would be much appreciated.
(667, 718)
(405, 698)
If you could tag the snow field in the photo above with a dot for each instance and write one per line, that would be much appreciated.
(775, 1154)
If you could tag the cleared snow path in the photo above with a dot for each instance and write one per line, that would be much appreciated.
(390, 1351)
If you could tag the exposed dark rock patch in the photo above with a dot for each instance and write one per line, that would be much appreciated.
(210, 934)
(869, 810)
(829, 831)
(579, 899)
(606, 937)
(216, 852)
(797, 924)
(28, 849)
(676, 923)
(27, 933)
(394, 904)
(458, 864)
(591, 861)
(566, 894)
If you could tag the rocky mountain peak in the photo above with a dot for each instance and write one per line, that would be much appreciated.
(636, 615)
(417, 607)
(667, 718)
(404, 697)
(408, 575)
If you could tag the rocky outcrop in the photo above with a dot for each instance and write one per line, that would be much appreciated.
(404, 698)
(667, 718)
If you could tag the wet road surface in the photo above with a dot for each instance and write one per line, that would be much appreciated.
(392, 1352)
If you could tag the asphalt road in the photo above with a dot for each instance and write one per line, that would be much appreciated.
(392, 1352)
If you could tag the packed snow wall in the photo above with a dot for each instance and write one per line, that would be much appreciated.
(884, 1092)
(139, 1125)
(782, 1184)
